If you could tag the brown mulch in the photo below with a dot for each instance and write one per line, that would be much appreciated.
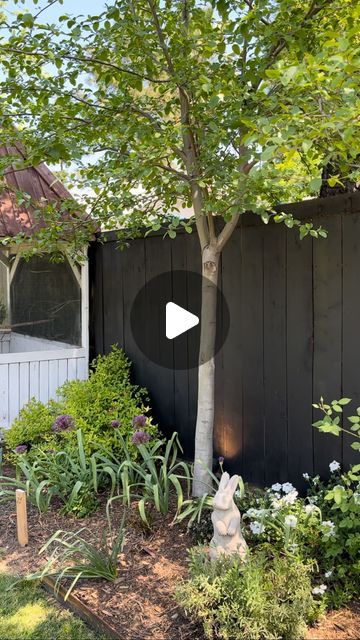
(338, 625)
(140, 604)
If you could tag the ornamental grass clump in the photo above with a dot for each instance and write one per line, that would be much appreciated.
(75, 558)
(268, 597)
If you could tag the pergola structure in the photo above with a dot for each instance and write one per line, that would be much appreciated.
(43, 304)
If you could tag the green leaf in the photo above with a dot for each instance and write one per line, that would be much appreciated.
(344, 401)
(315, 184)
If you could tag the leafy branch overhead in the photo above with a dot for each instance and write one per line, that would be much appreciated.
(330, 423)
(219, 107)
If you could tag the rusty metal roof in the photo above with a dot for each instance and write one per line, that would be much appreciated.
(39, 182)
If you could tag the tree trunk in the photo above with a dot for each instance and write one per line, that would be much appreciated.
(206, 376)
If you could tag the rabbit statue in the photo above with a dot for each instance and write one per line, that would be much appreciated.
(227, 538)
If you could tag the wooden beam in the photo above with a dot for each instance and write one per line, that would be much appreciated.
(75, 269)
(14, 266)
(21, 518)
(4, 259)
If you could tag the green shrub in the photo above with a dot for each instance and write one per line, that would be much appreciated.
(99, 406)
(32, 427)
(267, 597)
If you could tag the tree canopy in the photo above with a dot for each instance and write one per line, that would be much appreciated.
(223, 106)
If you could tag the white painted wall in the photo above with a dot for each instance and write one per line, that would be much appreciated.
(36, 374)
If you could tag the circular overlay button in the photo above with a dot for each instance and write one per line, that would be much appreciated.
(165, 319)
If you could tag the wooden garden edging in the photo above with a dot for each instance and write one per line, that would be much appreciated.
(80, 609)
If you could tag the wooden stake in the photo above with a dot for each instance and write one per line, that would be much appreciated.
(21, 516)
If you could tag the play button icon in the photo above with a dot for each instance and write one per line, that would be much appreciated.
(165, 322)
(178, 320)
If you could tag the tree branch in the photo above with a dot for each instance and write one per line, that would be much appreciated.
(39, 54)
(227, 231)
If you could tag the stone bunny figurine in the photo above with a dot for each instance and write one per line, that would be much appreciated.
(227, 537)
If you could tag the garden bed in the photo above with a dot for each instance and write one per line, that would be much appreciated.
(140, 604)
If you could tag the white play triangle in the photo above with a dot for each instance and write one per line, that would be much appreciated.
(178, 320)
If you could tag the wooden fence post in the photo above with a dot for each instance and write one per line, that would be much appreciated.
(21, 518)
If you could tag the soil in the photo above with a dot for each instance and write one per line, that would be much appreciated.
(140, 604)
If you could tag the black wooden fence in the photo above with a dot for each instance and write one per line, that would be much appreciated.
(294, 335)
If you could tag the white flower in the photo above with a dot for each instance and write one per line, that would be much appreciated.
(276, 486)
(276, 504)
(287, 487)
(334, 466)
(328, 574)
(257, 528)
(291, 521)
(328, 528)
(320, 590)
(310, 508)
(291, 497)
(256, 513)
(306, 476)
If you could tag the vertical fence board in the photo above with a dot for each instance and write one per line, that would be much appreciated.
(63, 371)
(34, 370)
(14, 404)
(351, 316)
(232, 357)
(44, 381)
(112, 296)
(4, 395)
(193, 258)
(134, 278)
(327, 334)
(299, 340)
(252, 327)
(160, 379)
(275, 355)
(181, 376)
(24, 383)
(53, 377)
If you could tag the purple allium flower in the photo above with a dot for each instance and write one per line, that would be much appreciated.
(21, 448)
(140, 437)
(62, 423)
(139, 421)
(115, 423)
(221, 459)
